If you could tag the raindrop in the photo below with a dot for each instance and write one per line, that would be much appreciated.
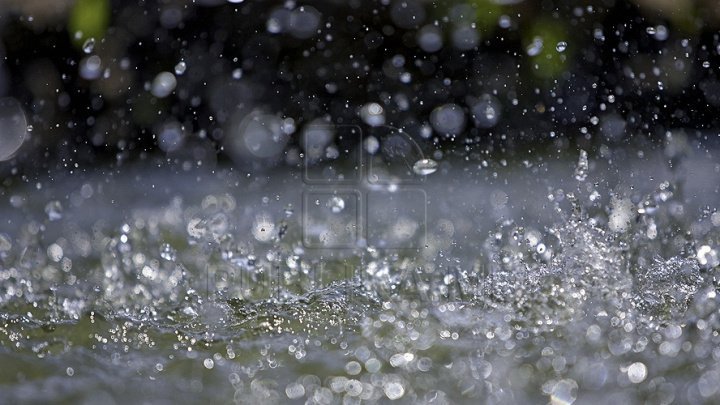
(315, 138)
(564, 392)
(486, 112)
(295, 390)
(707, 256)
(263, 228)
(448, 119)
(372, 114)
(637, 372)
(504, 21)
(237, 74)
(371, 145)
(561, 46)
(180, 68)
(171, 136)
(13, 127)
(465, 38)
(54, 210)
(353, 368)
(423, 167)
(429, 38)
(163, 85)
(394, 390)
(91, 68)
(304, 22)
(336, 204)
(535, 47)
(581, 169)
(88, 45)
(167, 252)
(661, 33)
(258, 135)
(55, 252)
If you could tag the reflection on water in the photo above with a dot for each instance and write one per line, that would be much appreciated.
(510, 281)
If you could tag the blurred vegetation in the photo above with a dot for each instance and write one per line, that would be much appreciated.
(88, 19)
(593, 72)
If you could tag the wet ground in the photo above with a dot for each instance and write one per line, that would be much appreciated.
(498, 280)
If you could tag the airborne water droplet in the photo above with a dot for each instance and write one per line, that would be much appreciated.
(561, 46)
(180, 68)
(581, 169)
(423, 167)
(167, 252)
(637, 372)
(54, 209)
(336, 204)
(163, 85)
(88, 45)
(13, 127)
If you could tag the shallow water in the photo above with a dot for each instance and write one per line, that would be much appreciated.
(506, 280)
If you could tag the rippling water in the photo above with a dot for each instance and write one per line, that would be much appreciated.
(573, 279)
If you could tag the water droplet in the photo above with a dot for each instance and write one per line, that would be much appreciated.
(336, 204)
(707, 256)
(257, 135)
(581, 169)
(637, 372)
(564, 392)
(163, 85)
(54, 210)
(88, 45)
(561, 46)
(394, 390)
(465, 37)
(504, 21)
(303, 22)
(448, 119)
(353, 368)
(372, 114)
(486, 111)
(180, 68)
(91, 67)
(263, 228)
(371, 145)
(167, 252)
(55, 252)
(294, 390)
(237, 74)
(535, 47)
(209, 364)
(429, 38)
(13, 127)
(423, 167)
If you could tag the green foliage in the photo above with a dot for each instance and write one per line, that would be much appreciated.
(88, 19)
(548, 62)
(488, 13)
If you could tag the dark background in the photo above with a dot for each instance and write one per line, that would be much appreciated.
(618, 80)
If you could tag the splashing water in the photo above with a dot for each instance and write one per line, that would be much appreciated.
(571, 303)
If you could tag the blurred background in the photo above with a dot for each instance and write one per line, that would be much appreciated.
(194, 83)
